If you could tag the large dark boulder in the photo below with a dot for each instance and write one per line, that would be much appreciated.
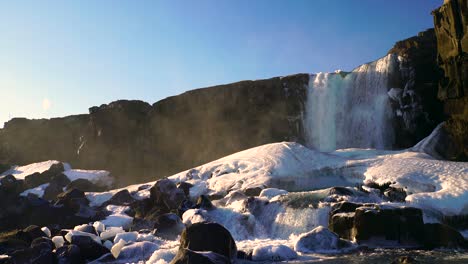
(10, 186)
(84, 185)
(69, 254)
(36, 179)
(122, 197)
(72, 198)
(209, 237)
(165, 194)
(89, 249)
(439, 235)
(400, 225)
(168, 226)
(187, 256)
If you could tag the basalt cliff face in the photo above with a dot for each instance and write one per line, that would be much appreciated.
(139, 142)
(451, 27)
(422, 82)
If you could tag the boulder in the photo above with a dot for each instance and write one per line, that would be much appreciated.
(136, 252)
(342, 224)
(204, 203)
(10, 185)
(208, 236)
(395, 194)
(168, 226)
(439, 235)
(165, 193)
(40, 253)
(253, 191)
(320, 239)
(36, 179)
(84, 185)
(89, 248)
(273, 253)
(122, 197)
(185, 186)
(69, 254)
(73, 199)
(384, 225)
(187, 256)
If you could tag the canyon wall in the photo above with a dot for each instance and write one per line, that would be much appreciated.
(451, 27)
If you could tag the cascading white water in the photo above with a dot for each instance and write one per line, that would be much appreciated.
(351, 110)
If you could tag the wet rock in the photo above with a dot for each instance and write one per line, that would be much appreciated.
(165, 193)
(204, 203)
(90, 249)
(11, 186)
(320, 239)
(187, 256)
(395, 194)
(185, 186)
(168, 226)
(382, 226)
(122, 197)
(72, 198)
(340, 191)
(253, 191)
(69, 254)
(84, 185)
(219, 240)
(342, 224)
(439, 235)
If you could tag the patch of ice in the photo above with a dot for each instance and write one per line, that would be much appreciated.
(273, 253)
(39, 190)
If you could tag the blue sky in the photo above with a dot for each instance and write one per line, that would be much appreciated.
(61, 57)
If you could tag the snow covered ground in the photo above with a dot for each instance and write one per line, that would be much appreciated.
(99, 177)
(291, 172)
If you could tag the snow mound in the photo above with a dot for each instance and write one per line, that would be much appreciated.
(20, 172)
(270, 165)
(273, 252)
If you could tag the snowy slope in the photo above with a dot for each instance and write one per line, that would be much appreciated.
(100, 177)
(430, 183)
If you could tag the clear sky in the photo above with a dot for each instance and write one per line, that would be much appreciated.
(61, 57)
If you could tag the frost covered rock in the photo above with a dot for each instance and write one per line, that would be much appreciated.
(135, 252)
(218, 241)
(320, 239)
(111, 232)
(127, 237)
(273, 253)
(58, 241)
(46, 231)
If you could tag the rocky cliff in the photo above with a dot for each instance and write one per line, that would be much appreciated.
(138, 142)
(451, 28)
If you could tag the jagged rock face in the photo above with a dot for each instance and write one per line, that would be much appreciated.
(418, 110)
(451, 23)
(138, 142)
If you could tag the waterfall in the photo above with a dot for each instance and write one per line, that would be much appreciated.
(345, 110)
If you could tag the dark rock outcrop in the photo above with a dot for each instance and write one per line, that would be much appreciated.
(451, 23)
(139, 142)
(209, 237)
(417, 108)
